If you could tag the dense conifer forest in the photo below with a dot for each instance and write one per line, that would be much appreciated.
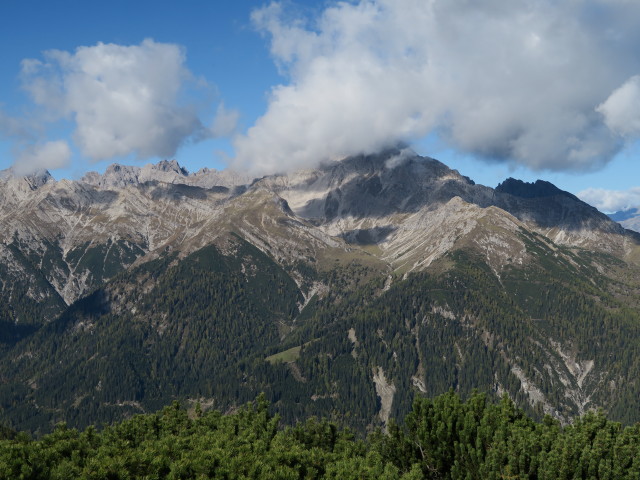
(222, 327)
(441, 438)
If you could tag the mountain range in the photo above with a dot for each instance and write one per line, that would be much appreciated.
(342, 291)
(629, 218)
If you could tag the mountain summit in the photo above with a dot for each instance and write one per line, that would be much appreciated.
(539, 189)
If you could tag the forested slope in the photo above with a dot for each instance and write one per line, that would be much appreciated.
(168, 329)
(226, 323)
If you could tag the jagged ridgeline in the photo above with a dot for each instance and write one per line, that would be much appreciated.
(343, 292)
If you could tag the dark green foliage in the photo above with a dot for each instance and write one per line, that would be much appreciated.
(202, 327)
(442, 438)
(27, 279)
(477, 439)
(28, 299)
(10, 330)
(465, 329)
(188, 329)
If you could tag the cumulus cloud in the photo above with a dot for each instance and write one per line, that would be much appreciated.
(532, 82)
(45, 156)
(123, 99)
(611, 200)
(622, 109)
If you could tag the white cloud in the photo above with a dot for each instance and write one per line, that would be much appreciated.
(622, 109)
(46, 156)
(124, 99)
(611, 200)
(516, 81)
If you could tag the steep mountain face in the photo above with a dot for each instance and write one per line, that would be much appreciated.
(393, 201)
(76, 235)
(344, 291)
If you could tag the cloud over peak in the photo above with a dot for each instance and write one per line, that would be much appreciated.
(539, 83)
(43, 156)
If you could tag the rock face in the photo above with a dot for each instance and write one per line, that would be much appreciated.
(397, 204)
(539, 189)
(389, 222)
(119, 176)
(412, 209)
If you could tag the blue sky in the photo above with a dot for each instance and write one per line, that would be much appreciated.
(535, 90)
(220, 43)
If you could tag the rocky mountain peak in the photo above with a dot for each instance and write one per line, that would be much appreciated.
(119, 176)
(38, 179)
(537, 189)
(170, 166)
(34, 180)
(373, 186)
(115, 176)
(166, 171)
